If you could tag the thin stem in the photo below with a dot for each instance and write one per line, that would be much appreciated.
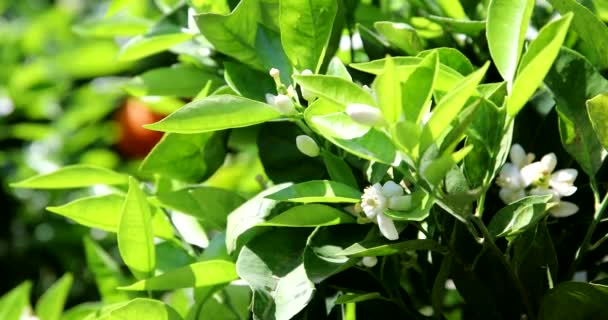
(600, 208)
(480, 205)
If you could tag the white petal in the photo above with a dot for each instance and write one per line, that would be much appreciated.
(510, 177)
(564, 189)
(387, 227)
(284, 104)
(532, 172)
(518, 156)
(306, 72)
(549, 161)
(563, 209)
(565, 176)
(400, 203)
(540, 191)
(270, 98)
(391, 189)
(510, 195)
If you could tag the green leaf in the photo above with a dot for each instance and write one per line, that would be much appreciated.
(16, 302)
(310, 215)
(339, 125)
(338, 69)
(574, 300)
(452, 9)
(199, 274)
(50, 305)
(588, 26)
(338, 170)
(375, 145)
(468, 27)
(270, 51)
(447, 78)
(135, 233)
(350, 297)
(536, 62)
(141, 308)
(216, 113)
(422, 203)
(573, 80)
(305, 30)
(451, 58)
(507, 25)
(449, 107)
(158, 40)
(82, 311)
(436, 170)
(317, 191)
(210, 205)
(106, 272)
(249, 214)
(232, 34)
(276, 274)
(336, 89)
(387, 87)
(384, 248)
(191, 158)
(401, 36)
(247, 82)
(74, 176)
(230, 303)
(179, 80)
(103, 212)
(598, 114)
(519, 216)
(418, 88)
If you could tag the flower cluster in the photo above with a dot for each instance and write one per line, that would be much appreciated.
(377, 199)
(522, 177)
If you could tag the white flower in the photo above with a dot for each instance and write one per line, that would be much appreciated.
(369, 262)
(378, 198)
(364, 114)
(282, 103)
(307, 146)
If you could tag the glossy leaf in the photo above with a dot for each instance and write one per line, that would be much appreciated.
(74, 176)
(157, 40)
(336, 89)
(15, 303)
(248, 82)
(306, 26)
(50, 305)
(573, 80)
(135, 233)
(192, 157)
(231, 34)
(106, 272)
(357, 297)
(180, 81)
(103, 212)
(199, 274)
(598, 114)
(209, 205)
(384, 248)
(588, 26)
(536, 62)
(216, 113)
(436, 170)
(387, 87)
(310, 215)
(317, 191)
(113, 26)
(519, 216)
(468, 27)
(140, 308)
(417, 90)
(338, 170)
(401, 36)
(507, 25)
(449, 107)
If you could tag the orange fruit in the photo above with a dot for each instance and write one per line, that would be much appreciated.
(135, 141)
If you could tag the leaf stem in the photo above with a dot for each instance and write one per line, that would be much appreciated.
(600, 208)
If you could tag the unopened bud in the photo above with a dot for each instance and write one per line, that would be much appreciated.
(274, 72)
(400, 203)
(364, 114)
(307, 95)
(282, 103)
(307, 146)
(370, 261)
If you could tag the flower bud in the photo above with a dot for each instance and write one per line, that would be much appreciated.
(274, 72)
(400, 203)
(282, 103)
(364, 114)
(369, 261)
(307, 146)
